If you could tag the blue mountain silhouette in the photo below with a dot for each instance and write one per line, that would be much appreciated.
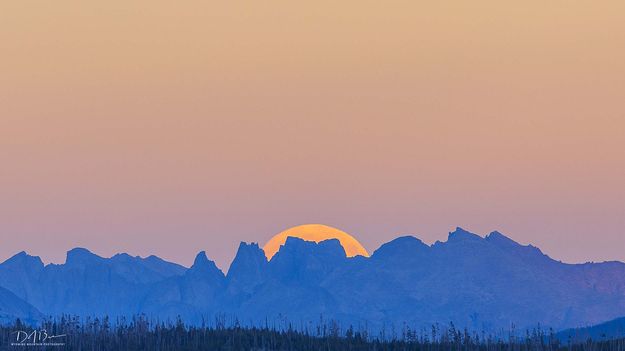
(483, 283)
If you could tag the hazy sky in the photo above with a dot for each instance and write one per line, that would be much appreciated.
(160, 127)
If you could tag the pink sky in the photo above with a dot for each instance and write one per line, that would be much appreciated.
(158, 128)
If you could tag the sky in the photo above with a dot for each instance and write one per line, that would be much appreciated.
(159, 127)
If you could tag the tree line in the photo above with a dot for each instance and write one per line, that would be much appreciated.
(141, 333)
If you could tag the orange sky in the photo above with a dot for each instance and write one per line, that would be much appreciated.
(168, 128)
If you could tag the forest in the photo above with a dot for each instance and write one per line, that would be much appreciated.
(140, 333)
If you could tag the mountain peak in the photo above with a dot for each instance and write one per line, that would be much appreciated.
(201, 259)
(307, 261)
(245, 248)
(248, 268)
(332, 246)
(23, 259)
(297, 246)
(501, 240)
(80, 255)
(203, 264)
(203, 269)
(248, 254)
(124, 257)
(529, 252)
(404, 246)
(461, 235)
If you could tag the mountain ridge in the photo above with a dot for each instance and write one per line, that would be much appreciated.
(481, 282)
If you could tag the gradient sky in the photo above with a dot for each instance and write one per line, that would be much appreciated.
(159, 127)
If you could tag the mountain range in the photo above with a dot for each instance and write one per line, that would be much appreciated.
(483, 283)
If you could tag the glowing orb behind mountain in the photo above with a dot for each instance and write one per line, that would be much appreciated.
(316, 233)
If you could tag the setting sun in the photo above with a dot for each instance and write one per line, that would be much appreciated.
(316, 233)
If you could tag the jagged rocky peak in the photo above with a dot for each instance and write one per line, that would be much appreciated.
(203, 264)
(306, 262)
(299, 247)
(248, 269)
(404, 246)
(462, 235)
(201, 260)
(251, 250)
(249, 257)
(332, 246)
